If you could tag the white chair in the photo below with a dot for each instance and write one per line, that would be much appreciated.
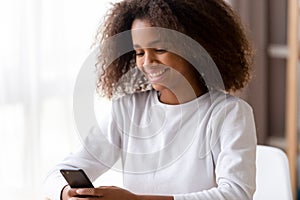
(272, 174)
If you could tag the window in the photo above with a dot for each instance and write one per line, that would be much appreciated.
(43, 45)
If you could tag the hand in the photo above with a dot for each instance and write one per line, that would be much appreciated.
(69, 192)
(105, 193)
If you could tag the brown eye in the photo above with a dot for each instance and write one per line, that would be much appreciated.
(139, 53)
(160, 50)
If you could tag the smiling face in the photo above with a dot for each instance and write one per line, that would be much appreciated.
(175, 79)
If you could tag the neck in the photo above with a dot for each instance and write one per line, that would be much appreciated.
(174, 97)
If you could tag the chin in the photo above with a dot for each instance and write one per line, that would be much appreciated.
(158, 88)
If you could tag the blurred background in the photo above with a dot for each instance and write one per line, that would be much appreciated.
(43, 44)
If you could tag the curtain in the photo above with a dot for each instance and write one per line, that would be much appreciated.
(43, 44)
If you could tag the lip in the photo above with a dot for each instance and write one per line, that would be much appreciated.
(155, 73)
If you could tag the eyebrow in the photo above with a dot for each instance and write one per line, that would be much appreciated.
(149, 44)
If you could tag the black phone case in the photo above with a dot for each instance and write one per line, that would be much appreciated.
(76, 178)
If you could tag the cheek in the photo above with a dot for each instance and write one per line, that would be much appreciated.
(139, 64)
(140, 68)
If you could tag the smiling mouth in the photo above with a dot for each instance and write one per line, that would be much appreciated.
(155, 73)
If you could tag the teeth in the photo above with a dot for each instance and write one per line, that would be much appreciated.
(157, 73)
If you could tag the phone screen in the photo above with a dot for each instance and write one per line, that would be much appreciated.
(76, 178)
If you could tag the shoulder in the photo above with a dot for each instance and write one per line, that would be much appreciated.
(222, 102)
(231, 111)
(233, 123)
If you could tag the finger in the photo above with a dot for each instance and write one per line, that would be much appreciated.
(71, 192)
(84, 198)
(109, 187)
(104, 187)
(89, 192)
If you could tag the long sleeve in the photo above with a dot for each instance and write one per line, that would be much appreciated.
(99, 151)
(234, 151)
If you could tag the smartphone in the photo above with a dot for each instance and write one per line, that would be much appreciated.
(76, 178)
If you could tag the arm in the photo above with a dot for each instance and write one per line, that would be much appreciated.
(233, 145)
(94, 157)
(113, 193)
(146, 197)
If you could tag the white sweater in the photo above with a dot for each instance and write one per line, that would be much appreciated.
(203, 149)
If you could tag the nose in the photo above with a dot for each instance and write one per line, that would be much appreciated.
(149, 57)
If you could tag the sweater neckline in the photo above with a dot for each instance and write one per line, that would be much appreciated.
(195, 101)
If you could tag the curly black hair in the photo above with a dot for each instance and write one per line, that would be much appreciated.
(212, 23)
